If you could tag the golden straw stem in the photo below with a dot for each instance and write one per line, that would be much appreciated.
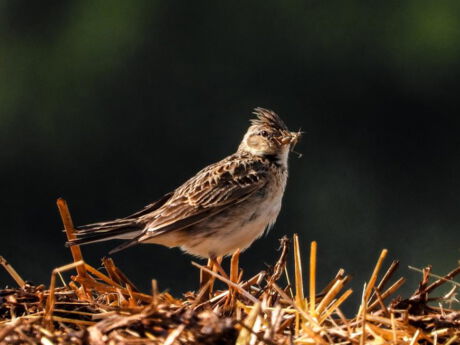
(330, 295)
(335, 305)
(74, 321)
(388, 274)
(154, 291)
(245, 333)
(234, 266)
(451, 340)
(288, 280)
(102, 276)
(299, 295)
(385, 321)
(313, 322)
(228, 282)
(90, 283)
(362, 312)
(48, 316)
(69, 229)
(388, 292)
(415, 337)
(313, 248)
(373, 279)
(17, 278)
(380, 301)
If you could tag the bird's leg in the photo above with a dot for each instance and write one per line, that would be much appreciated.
(216, 263)
(205, 277)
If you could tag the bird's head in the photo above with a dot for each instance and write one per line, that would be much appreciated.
(269, 136)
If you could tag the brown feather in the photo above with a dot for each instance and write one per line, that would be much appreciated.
(268, 118)
(206, 194)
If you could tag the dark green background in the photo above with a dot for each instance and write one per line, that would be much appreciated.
(111, 104)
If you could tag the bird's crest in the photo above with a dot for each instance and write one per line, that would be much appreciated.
(268, 117)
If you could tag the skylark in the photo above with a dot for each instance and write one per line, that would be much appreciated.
(225, 206)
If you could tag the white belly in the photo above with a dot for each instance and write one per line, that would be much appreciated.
(239, 234)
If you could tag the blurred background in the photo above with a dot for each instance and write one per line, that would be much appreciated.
(112, 104)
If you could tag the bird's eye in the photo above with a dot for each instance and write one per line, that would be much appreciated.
(264, 133)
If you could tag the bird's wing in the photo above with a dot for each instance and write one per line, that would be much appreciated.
(129, 223)
(211, 191)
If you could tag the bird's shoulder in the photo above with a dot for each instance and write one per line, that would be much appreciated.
(238, 171)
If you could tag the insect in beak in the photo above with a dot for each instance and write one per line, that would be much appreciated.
(290, 138)
(294, 139)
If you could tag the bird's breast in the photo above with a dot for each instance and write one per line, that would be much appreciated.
(238, 226)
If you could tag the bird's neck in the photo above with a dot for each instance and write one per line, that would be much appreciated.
(280, 158)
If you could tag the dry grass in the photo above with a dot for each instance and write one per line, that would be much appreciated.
(100, 308)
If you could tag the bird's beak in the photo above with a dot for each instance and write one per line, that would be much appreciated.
(290, 138)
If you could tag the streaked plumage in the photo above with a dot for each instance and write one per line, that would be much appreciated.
(225, 206)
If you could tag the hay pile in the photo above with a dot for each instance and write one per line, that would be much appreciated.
(106, 308)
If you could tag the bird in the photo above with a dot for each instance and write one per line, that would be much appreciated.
(226, 206)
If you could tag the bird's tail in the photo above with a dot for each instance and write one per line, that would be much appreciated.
(104, 231)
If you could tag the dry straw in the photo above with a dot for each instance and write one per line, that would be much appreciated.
(106, 308)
